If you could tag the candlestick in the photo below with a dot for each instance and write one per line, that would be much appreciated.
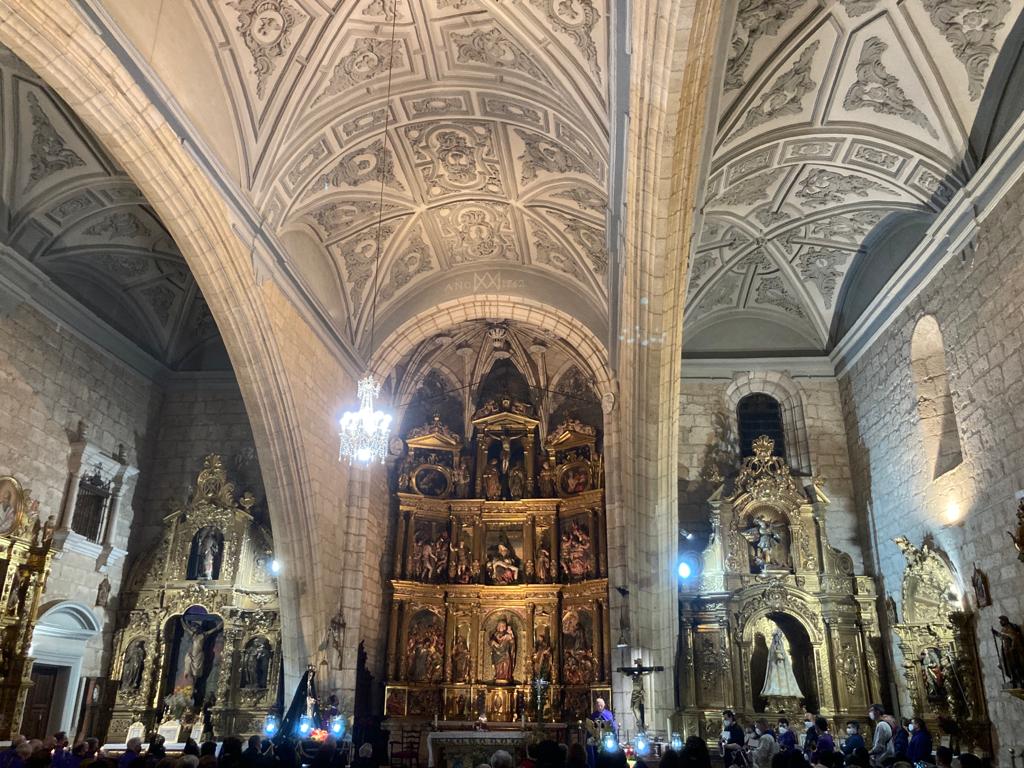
(435, 721)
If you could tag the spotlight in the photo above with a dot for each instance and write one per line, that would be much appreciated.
(677, 742)
(609, 743)
(641, 744)
(271, 725)
(275, 566)
(305, 726)
(337, 726)
(688, 566)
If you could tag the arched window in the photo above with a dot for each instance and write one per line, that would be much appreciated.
(934, 402)
(760, 414)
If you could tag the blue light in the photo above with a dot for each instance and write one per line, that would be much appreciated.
(305, 725)
(688, 566)
(271, 725)
(641, 744)
(684, 569)
(275, 566)
(337, 726)
(677, 742)
(609, 743)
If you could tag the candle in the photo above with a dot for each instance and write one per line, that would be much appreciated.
(435, 721)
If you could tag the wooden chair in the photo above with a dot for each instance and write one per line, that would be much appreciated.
(404, 752)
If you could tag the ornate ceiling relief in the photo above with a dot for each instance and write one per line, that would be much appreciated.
(364, 165)
(477, 232)
(49, 153)
(577, 19)
(121, 225)
(456, 157)
(413, 259)
(265, 27)
(493, 48)
(369, 58)
(836, 120)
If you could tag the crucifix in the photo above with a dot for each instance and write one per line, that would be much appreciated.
(636, 698)
(540, 689)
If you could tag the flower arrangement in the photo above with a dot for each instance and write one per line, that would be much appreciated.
(318, 735)
(179, 702)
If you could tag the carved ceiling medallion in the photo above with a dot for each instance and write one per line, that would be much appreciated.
(265, 26)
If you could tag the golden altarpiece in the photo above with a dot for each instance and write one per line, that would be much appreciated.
(778, 621)
(937, 642)
(199, 635)
(500, 572)
(26, 560)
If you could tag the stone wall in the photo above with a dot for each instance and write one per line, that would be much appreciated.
(967, 510)
(707, 436)
(50, 380)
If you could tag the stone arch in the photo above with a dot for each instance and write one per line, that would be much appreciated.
(787, 392)
(935, 410)
(58, 43)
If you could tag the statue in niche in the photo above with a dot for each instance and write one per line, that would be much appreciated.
(503, 651)
(460, 659)
(1010, 642)
(461, 478)
(576, 552)
(131, 669)
(403, 478)
(597, 469)
(459, 568)
(424, 651)
(542, 656)
(933, 675)
(492, 481)
(424, 558)
(442, 549)
(14, 596)
(8, 508)
(547, 480)
(46, 537)
(580, 666)
(503, 564)
(195, 658)
(516, 482)
(208, 547)
(765, 541)
(779, 680)
(255, 662)
(506, 454)
(103, 593)
(543, 564)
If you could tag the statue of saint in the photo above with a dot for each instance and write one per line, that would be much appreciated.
(14, 596)
(131, 671)
(503, 651)
(209, 547)
(779, 679)
(1011, 651)
(764, 539)
(506, 454)
(543, 565)
(503, 564)
(547, 481)
(461, 478)
(195, 659)
(103, 593)
(460, 660)
(492, 481)
(933, 674)
(47, 533)
(516, 482)
(442, 548)
(542, 655)
(458, 569)
(254, 664)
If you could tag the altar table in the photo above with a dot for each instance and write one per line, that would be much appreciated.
(467, 749)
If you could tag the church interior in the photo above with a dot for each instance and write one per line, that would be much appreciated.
(452, 376)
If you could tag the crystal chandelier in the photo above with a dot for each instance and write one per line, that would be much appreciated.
(364, 433)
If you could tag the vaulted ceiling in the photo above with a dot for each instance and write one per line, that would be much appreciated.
(70, 211)
(494, 162)
(843, 128)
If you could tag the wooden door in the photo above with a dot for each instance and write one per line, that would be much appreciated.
(36, 720)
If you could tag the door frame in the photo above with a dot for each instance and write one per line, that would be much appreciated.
(59, 640)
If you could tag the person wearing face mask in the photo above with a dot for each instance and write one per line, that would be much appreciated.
(766, 747)
(732, 739)
(881, 745)
(786, 737)
(853, 739)
(810, 741)
(920, 747)
(900, 738)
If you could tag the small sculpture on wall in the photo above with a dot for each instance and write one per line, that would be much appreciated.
(131, 670)
(492, 481)
(460, 659)
(542, 656)
(1010, 643)
(459, 570)
(462, 478)
(255, 664)
(103, 593)
(982, 594)
(503, 651)
(547, 480)
(543, 567)
(1018, 537)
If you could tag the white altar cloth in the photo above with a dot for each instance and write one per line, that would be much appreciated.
(495, 739)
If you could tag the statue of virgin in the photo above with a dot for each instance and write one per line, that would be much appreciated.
(780, 680)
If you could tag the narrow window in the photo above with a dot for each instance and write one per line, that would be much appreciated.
(760, 414)
(934, 402)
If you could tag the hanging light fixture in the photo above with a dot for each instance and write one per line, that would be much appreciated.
(363, 434)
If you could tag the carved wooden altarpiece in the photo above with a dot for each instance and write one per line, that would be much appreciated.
(200, 617)
(769, 565)
(494, 591)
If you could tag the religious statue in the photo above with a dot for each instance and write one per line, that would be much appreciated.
(208, 549)
(131, 670)
(492, 481)
(503, 651)
(764, 539)
(7, 509)
(460, 659)
(933, 675)
(14, 596)
(543, 564)
(423, 557)
(981, 590)
(255, 660)
(542, 655)
(48, 529)
(461, 478)
(547, 480)
(577, 563)
(442, 548)
(597, 469)
(103, 593)
(458, 568)
(516, 482)
(637, 697)
(403, 478)
(1018, 537)
(579, 666)
(1010, 642)
(506, 454)
(502, 563)
(779, 680)
(195, 658)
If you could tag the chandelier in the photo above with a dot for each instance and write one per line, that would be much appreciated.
(363, 434)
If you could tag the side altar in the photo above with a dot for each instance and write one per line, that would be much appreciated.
(500, 573)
